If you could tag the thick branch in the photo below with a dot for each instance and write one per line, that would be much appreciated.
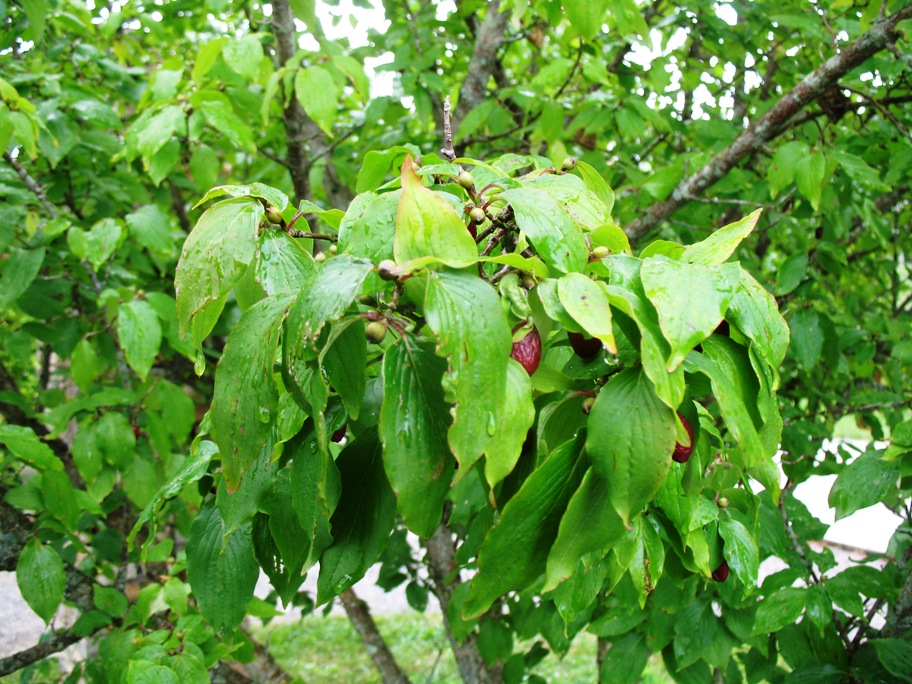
(765, 128)
(55, 644)
(373, 641)
(441, 557)
(299, 128)
(483, 63)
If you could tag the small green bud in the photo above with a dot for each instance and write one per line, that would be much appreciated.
(465, 180)
(568, 164)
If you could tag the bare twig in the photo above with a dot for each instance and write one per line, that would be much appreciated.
(31, 184)
(367, 629)
(447, 151)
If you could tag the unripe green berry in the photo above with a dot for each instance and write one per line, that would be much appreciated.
(477, 214)
(273, 215)
(724, 503)
(600, 252)
(568, 164)
(465, 180)
(587, 404)
(375, 331)
(333, 248)
(320, 257)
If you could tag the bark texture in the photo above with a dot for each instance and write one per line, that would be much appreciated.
(373, 641)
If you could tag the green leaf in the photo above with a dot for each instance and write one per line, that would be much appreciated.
(807, 338)
(778, 610)
(625, 660)
(631, 436)
(193, 470)
(189, 669)
(859, 171)
(324, 300)
(27, 446)
(245, 398)
(896, 656)
(140, 335)
(283, 266)
(427, 225)
(735, 387)
(221, 569)
(586, 16)
(691, 300)
(557, 238)
(316, 90)
(345, 360)
(41, 578)
(215, 257)
(866, 481)
(587, 302)
(20, 269)
(145, 672)
(110, 600)
(810, 172)
(151, 133)
(315, 488)
(695, 629)
(97, 244)
(413, 424)
(362, 521)
(721, 244)
(515, 416)
(741, 552)
(244, 55)
(222, 117)
(596, 184)
(791, 273)
(465, 314)
(753, 309)
(781, 172)
(589, 525)
(149, 225)
(625, 292)
(514, 552)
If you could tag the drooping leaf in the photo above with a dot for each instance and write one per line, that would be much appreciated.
(741, 552)
(19, 271)
(245, 397)
(753, 309)
(586, 17)
(896, 656)
(515, 551)
(244, 55)
(589, 525)
(626, 659)
(515, 416)
(315, 489)
(691, 300)
(221, 569)
(215, 256)
(413, 425)
(27, 446)
(779, 609)
(587, 302)
(316, 90)
(140, 335)
(630, 437)
(558, 240)
(363, 520)
(41, 578)
(427, 225)
(465, 314)
(345, 360)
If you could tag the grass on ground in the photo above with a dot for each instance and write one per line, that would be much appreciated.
(327, 650)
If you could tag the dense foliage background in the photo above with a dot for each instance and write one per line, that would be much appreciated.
(117, 119)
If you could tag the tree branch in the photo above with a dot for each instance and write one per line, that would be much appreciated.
(483, 63)
(373, 641)
(31, 184)
(445, 578)
(766, 127)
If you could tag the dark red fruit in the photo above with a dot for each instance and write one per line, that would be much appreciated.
(339, 434)
(135, 430)
(682, 453)
(583, 346)
(528, 350)
(720, 574)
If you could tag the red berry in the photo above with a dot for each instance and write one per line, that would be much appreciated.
(135, 430)
(583, 346)
(528, 350)
(682, 453)
(339, 434)
(720, 574)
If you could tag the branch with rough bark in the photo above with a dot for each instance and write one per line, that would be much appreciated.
(880, 36)
(482, 65)
(373, 641)
(441, 559)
